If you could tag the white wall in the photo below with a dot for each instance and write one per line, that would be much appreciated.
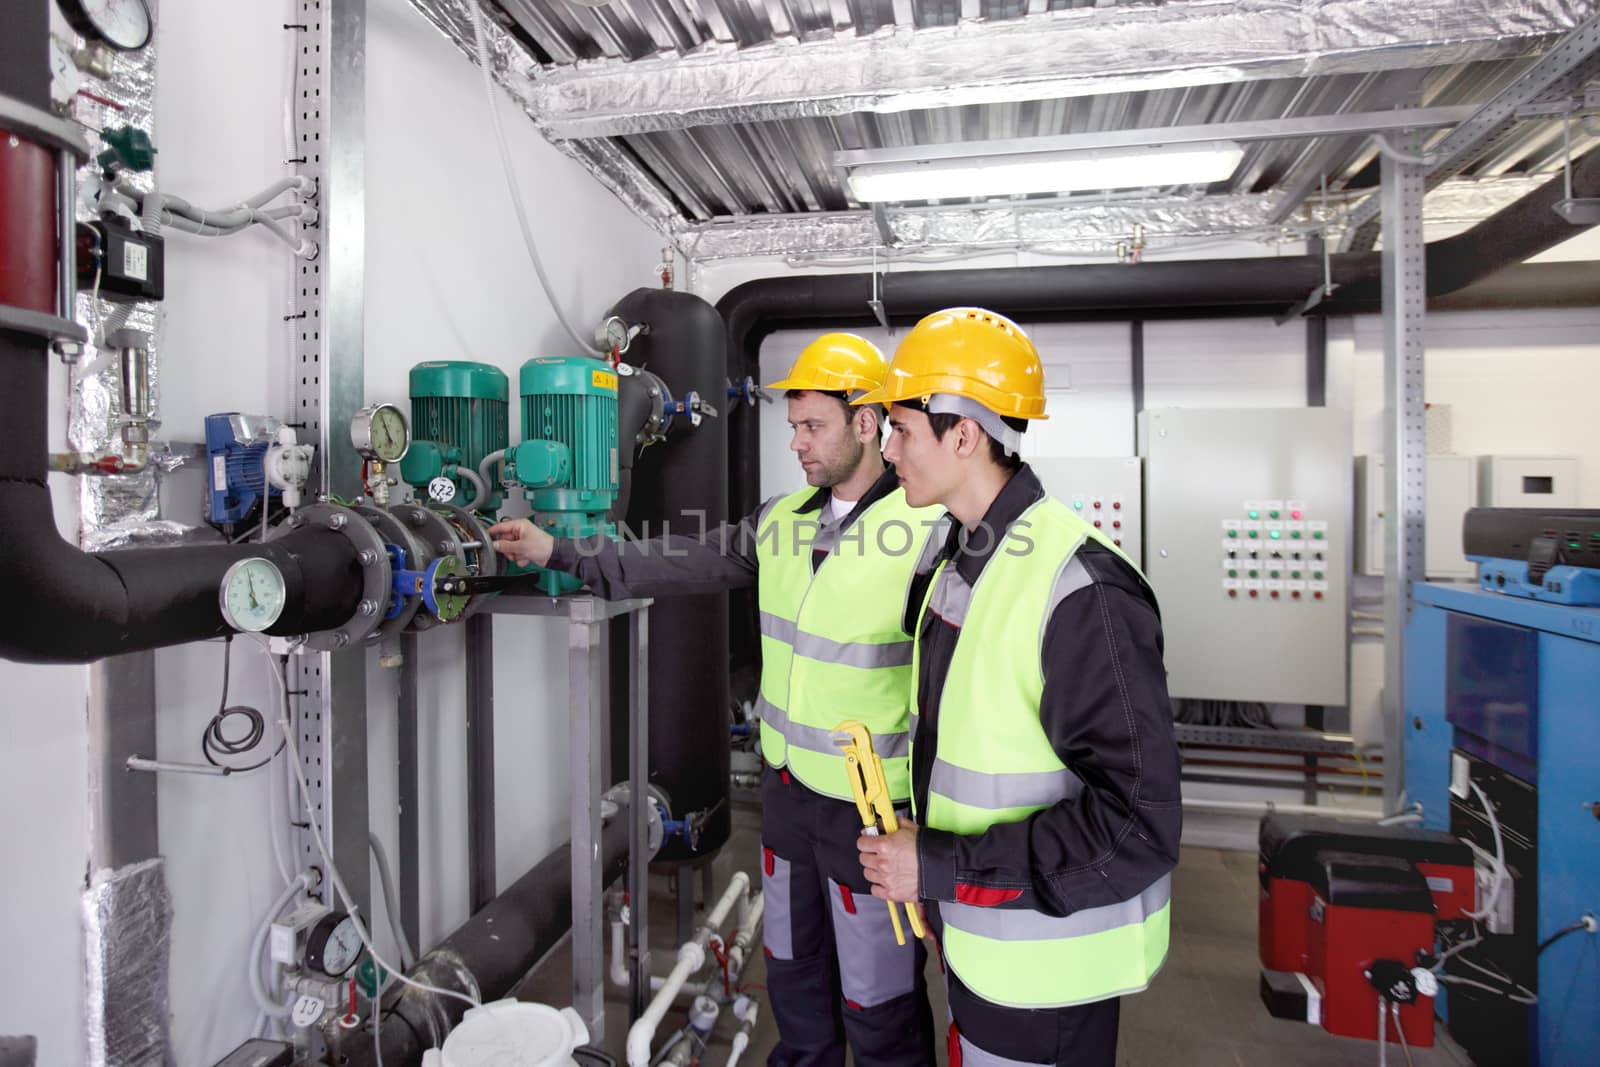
(447, 277)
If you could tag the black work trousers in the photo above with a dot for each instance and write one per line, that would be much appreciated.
(834, 971)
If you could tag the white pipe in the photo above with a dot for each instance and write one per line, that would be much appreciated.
(1263, 807)
(691, 957)
(749, 930)
(745, 1010)
(264, 1000)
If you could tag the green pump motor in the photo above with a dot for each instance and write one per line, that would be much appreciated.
(567, 463)
(459, 414)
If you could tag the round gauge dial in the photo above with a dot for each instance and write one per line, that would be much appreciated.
(334, 945)
(252, 594)
(380, 432)
(123, 24)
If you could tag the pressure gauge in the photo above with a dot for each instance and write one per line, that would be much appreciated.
(123, 24)
(379, 432)
(333, 945)
(252, 594)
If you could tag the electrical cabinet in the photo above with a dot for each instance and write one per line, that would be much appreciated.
(1452, 489)
(1101, 490)
(1247, 544)
(1528, 481)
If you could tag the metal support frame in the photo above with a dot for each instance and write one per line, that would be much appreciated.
(1136, 358)
(1316, 397)
(589, 701)
(481, 874)
(639, 832)
(410, 791)
(328, 373)
(1404, 308)
(1561, 72)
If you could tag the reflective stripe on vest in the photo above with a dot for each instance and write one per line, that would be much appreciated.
(995, 764)
(832, 639)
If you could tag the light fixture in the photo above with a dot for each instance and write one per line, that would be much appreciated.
(960, 177)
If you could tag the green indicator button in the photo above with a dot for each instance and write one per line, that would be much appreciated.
(1317, 535)
(1275, 534)
(1233, 533)
(1255, 514)
(1255, 533)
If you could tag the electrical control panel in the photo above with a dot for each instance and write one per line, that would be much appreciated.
(1102, 490)
(1528, 481)
(1246, 530)
(1452, 489)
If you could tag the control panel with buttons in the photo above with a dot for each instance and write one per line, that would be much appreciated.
(1103, 491)
(1246, 531)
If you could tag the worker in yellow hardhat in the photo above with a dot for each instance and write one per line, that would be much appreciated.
(840, 567)
(1045, 777)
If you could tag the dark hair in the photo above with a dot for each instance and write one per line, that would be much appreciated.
(943, 422)
(844, 402)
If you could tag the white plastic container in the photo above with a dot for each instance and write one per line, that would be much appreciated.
(511, 1033)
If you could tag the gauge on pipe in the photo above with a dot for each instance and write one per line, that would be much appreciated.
(123, 24)
(253, 594)
(379, 432)
(334, 945)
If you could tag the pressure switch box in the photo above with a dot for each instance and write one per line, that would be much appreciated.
(1102, 490)
(1247, 544)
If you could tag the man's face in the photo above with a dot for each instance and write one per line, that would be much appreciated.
(928, 467)
(825, 438)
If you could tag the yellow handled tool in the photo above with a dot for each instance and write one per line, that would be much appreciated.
(873, 802)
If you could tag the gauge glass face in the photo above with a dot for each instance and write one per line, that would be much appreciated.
(123, 24)
(343, 948)
(387, 437)
(252, 595)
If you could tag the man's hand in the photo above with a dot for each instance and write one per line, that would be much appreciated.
(890, 863)
(522, 542)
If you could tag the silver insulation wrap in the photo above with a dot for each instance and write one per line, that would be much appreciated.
(127, 922)
(117, 510)
(1051, 55)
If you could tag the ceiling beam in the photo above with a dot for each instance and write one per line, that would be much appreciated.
(1055, 54)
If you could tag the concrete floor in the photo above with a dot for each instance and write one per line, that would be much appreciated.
(1204, 1009)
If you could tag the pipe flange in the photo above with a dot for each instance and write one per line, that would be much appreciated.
(442, 540)
(620, 795)
(41, 126)
(418, 555)
(376, 578)
(482, 562)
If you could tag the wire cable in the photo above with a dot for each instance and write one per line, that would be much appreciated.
(1585, 923)
(391, 900)
(214, 741)
(1454, 979)
(1499, 855)
(481, 41)
(1400, 1031)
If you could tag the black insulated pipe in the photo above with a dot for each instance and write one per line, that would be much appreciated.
(494, 950)
(69, 606)
(680, 485)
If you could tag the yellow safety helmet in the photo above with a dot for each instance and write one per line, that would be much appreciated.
(836, 363)
(967, 352)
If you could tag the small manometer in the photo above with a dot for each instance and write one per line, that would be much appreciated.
(333, 945)
(252, 594)
(379, 432)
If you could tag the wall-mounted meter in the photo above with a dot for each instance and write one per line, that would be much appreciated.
(123, 24)
(379, 432)
(253, 594)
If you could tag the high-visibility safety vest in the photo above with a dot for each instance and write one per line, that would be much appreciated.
(995, 764)
(833, 646)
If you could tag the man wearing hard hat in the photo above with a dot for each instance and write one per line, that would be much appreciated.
(840, 567)
(1045, 775)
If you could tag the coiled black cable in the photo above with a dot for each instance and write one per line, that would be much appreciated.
(214, 742)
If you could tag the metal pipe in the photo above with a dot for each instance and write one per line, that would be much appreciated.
(66, 235)
(489, 953)
(1266, 807)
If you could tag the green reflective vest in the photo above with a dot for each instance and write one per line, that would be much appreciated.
(995, 764)
(832, 643)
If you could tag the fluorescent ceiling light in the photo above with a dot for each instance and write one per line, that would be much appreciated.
(1199, 163)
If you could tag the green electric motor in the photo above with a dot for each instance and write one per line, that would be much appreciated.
(567, 463)
(463, 409)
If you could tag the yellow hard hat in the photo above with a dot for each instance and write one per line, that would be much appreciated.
(967, 352)
(836, 363)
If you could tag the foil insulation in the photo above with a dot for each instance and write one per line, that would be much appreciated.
(127, 920)
(1080, 51)
(118, 510)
